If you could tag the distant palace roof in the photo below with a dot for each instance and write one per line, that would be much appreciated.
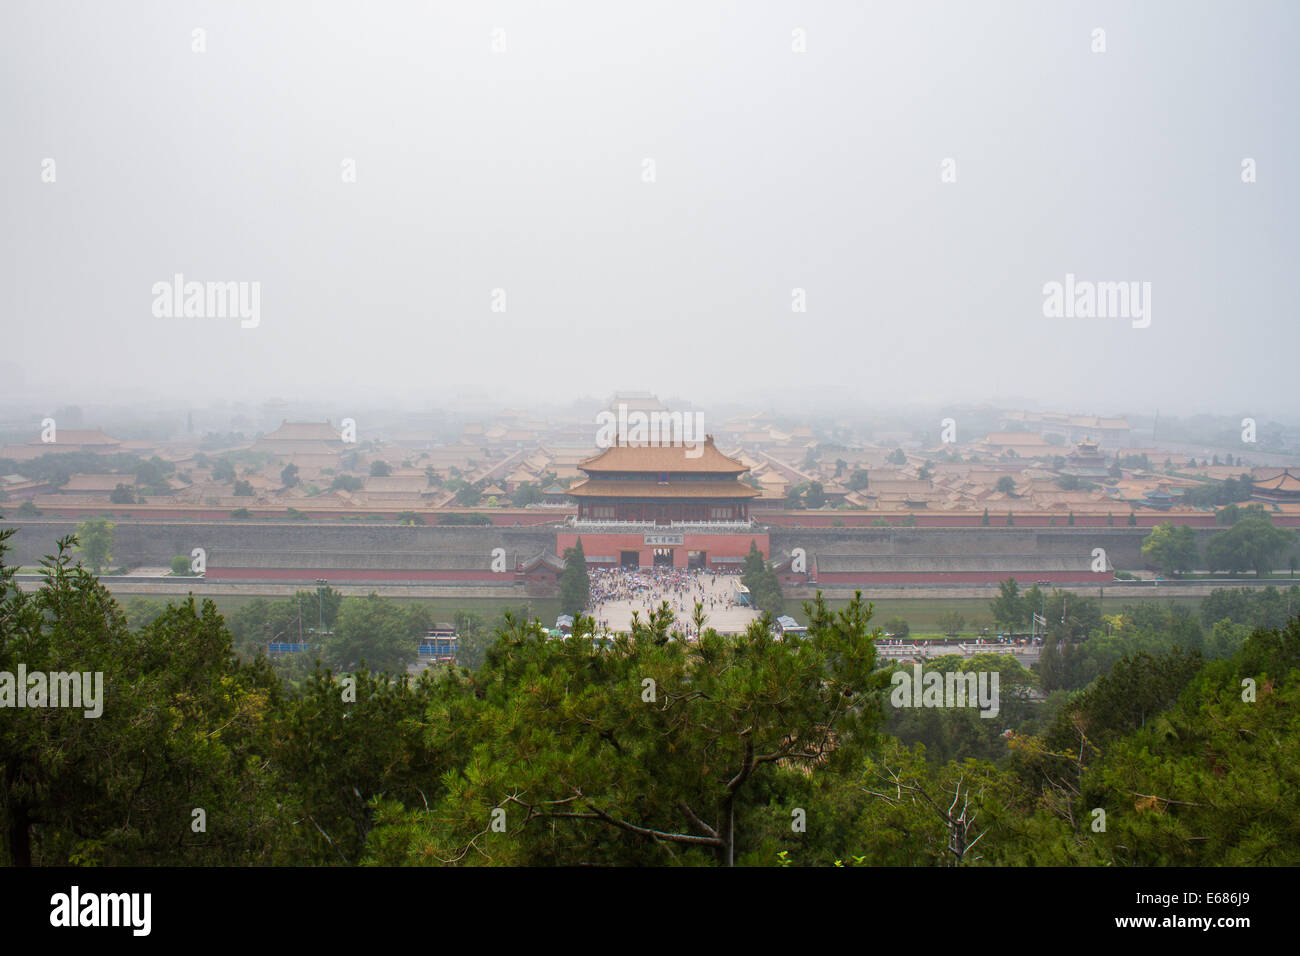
(303, 431)
(78, 436)
(664, 459)
(98, 482)
(1282, 481)
(611, 488)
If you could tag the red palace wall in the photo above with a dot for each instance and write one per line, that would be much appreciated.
(969, 519)
(713, 545)
(783, 519)
(201, 513)
(1025, 578)
(369, 575)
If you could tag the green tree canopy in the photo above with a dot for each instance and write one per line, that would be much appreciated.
(952, 622)
(575, 582)
(1252, 543)
(1171, 549)
(372, 632)
(649, 751)
(897, 627)
(468, 496)
(1008, 608)
(95, 542)
(527, 493)
(816, 497)
(180, 725)
(762, 581)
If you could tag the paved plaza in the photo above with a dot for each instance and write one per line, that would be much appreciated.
(617, 592)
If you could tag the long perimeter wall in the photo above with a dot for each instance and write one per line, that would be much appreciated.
(355, 545)
(154, 544)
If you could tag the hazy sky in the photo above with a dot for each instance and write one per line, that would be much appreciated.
(524, 170)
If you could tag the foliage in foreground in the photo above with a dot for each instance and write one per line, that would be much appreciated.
(742, 749)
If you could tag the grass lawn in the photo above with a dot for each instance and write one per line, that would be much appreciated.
(1282, 578)
(444, 609)
(922, 614)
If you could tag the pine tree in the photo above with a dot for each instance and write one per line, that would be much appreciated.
(175, 723)
(763, 583)
(575, 584)
(647, 752)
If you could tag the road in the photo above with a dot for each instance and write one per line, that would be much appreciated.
(1025, 655)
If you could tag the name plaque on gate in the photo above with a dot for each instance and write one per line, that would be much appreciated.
(661, 540)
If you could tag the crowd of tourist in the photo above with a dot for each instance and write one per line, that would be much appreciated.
(646, 589)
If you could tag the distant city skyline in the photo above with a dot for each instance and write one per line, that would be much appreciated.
(793, 405)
